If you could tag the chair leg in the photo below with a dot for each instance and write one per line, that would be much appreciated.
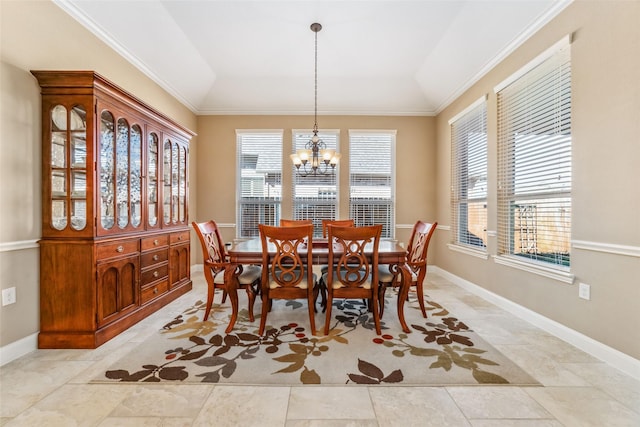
(211, 291)
(376, 315)
(224, 296)
(251, 296)
(312, 312)
(420, 292)
(382, 290)
(266, 306)
(327, 319)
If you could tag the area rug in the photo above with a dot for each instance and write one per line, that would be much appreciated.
(440, 350)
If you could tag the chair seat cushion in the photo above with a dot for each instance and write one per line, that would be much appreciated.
(250, 273)
(338, 284)
(302, 285)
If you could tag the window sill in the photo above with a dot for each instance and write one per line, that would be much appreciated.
(556, 273)
(469, 251)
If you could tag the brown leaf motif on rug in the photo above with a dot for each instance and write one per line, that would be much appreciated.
(441, 341)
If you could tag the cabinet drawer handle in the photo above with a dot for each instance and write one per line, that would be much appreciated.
(179, 237)
(120, 248)
(155, 290)
(156, 274)
(155, 242)
(156, 257)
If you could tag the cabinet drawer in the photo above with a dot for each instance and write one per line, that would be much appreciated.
(156, 273)
(155, 290)
(156, 241)
(150, 258)
(112, 250)
(180, 237)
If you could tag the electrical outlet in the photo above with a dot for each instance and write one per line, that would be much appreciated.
(584, 291)
(8, 296)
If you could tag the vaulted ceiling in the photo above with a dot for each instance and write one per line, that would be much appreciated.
(376, 57)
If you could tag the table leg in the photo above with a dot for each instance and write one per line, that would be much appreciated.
(405, 275)
(232, 292)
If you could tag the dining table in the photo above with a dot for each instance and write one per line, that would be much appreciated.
(245, 252)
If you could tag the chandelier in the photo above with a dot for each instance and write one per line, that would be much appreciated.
(315, 158)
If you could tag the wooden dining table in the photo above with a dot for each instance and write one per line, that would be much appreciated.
(250, 252)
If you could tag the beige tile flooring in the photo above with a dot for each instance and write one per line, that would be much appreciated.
(50, 387)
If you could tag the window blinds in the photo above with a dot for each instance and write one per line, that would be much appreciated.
(534, 162)
(315, 197)
(371, 179)
(469, 176)
(259, 193)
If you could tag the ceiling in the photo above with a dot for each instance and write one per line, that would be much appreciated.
(375, 57)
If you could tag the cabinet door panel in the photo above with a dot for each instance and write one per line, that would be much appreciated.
(117, 288)
(179, 261)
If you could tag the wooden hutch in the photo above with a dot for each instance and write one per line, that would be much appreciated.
(115, 230)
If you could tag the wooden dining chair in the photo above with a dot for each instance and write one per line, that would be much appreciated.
(323, 268)
(353, 268)
(287, 268)
(416, 261)
(216, 264)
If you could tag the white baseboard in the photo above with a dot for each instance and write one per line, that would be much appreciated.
(619, 360)
(16, 349)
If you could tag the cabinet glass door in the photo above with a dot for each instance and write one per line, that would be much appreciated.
(68, 167)
(135, 176)
(166, 183)
(182, 192)
(152, 179)
(107, 171)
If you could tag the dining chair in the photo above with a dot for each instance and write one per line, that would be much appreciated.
(287, 268)
(416, 261)
(353, 268)
(323, 268)
(216, 265)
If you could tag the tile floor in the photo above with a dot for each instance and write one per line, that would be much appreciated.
(50, 387)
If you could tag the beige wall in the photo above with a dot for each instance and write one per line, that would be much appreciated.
(606, 108)
(606, 185)
(39, 35)
(415, 157)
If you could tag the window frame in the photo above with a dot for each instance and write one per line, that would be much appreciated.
(269, 204)
(387, 204)
(317, 208)
(469, 152)
(521, 175)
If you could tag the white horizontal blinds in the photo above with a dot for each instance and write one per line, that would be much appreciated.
(259, 181)
(534, 155)
(469, 176)
(315, 197)
(371, 179)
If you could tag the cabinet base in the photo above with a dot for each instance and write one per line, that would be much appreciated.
(94, 339)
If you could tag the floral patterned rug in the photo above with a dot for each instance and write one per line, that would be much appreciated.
(441, 349)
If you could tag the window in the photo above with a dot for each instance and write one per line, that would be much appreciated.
(469, 176)
(372, 180)
(534, 160)
(315, 197)
(259, 181)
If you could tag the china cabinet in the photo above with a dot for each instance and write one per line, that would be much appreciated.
(115, 241)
